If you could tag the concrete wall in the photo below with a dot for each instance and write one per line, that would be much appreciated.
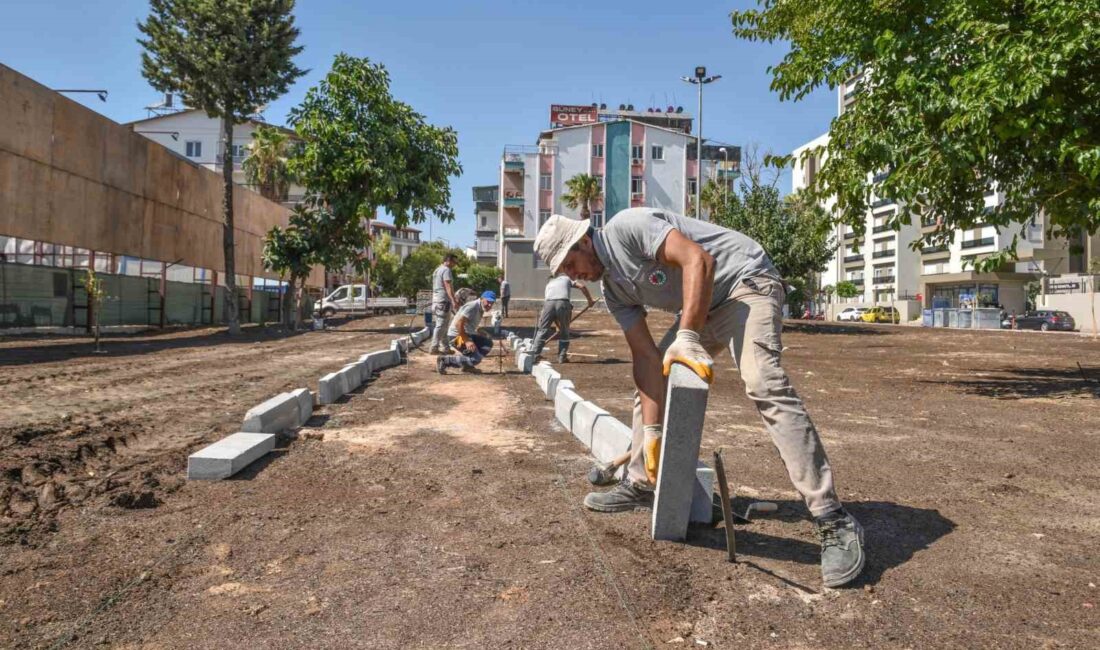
(1079, 305)
(665, 184)
(71, 176)
(574, 157)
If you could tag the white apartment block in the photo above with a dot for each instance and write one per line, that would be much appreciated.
(887, 268)
(638, 164)
(193, 135)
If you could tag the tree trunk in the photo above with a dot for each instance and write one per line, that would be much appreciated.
(231, 317)
(586, 212)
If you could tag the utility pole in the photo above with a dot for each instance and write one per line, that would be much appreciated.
(700, 79)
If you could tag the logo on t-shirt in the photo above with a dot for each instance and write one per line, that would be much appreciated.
(658, 278)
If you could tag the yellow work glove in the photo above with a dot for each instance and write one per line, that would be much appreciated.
(651, 451)
(687, 350)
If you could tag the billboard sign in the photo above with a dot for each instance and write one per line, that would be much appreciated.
(566, 115)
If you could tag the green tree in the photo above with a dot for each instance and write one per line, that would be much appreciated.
(955, 95)
(266, 164)
(387, 265)
(480, 278)
(289, 252)
(416, 270)
(364, 150)
(847, 289)
(93, 286)
(794, 231)
(582, 191)
(228, 58)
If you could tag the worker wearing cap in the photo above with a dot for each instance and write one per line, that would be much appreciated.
(728, 293)
(443, 301)
(472, 347)
(557, 310)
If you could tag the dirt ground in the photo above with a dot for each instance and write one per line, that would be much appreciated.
(428, 511)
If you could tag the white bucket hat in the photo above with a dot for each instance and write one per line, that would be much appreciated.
(557, 236)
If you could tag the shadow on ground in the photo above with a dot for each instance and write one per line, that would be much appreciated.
(1029, 383)
(825, 327)
(893, 534)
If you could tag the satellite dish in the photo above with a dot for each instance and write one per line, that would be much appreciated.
(679, 109)
(622, 107)
(630, 107)
(603, 107)
(669, 110)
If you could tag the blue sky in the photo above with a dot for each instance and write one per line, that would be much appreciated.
(488, 69)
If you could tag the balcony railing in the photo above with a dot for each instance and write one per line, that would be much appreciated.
(883, 279)
(513, 165)
(976, 243)
(882, 202)
(880, 254)
(853, 258)
(850, 235)
(883, 228)
(513, 201)
(929, 250)
(856, 281)
(879, 177)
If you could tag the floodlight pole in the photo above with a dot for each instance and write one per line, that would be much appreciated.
(700, 79)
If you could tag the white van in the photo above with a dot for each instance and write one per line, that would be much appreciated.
(351, 298)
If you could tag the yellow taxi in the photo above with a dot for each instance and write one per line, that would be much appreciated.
(881, 315)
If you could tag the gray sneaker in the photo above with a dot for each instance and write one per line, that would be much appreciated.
(841, 547)
(624, 497)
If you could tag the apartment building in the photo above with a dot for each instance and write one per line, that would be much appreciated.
(487, 223)
(888, 267)
(640, 160)
(191, 134)
(403, 241)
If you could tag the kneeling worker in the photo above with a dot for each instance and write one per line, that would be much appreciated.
(729, 294)
(463, 335)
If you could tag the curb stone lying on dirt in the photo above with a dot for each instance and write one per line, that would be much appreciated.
(228, 456)
(277, 414)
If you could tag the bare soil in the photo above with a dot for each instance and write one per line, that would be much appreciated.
(428, 511)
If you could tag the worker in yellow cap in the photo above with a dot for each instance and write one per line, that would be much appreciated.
(727, 293)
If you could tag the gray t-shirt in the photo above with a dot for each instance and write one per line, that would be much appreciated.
(505, 289)
(558, 287)
(439, 292)
(634, 279)
(473, 312)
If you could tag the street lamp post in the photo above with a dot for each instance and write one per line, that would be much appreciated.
(700, 79)
(725, 169)
(99, 92)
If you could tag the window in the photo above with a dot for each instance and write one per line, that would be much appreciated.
(544, 181)
(691, 186)
(194, 148)
(239, 150)
(597, 219)
(544, 215)
(637, 185)
(484, 221)
(657, 152)
(597, 151)
(637, 152)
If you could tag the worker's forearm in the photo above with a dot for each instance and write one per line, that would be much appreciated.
(698, 288)
(651, 387)
(450, 293)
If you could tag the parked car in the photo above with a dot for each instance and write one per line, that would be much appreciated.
(851, 313)
(350, 298)
(882, 315)
(1043, 319)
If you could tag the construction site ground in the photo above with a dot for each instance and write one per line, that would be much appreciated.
(429, 511)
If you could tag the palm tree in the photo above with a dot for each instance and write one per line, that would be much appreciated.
(265, 167)
(584, 190)
(715, 198)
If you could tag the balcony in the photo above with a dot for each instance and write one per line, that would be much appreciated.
(858, 257)
(881, 254)
(513, 165)
(851, 234)
(977, 243)
(513, 201)
(856, 281)
(881, 203)
(879, 177)
(883, 228)
(884, 279)
(931, 250)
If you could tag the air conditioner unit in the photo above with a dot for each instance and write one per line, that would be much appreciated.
(636, 196)
(636, 161)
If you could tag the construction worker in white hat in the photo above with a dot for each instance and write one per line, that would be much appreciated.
(727, 293)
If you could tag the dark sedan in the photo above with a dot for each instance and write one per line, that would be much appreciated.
(1043, 319)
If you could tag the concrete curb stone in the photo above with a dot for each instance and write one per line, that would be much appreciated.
(228, 456)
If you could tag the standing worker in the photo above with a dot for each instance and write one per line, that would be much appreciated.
(729, 294)
(472, 347)
(557, 309)
(505, 295)
(443, 301)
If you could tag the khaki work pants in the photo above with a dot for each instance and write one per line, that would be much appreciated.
(750, 323)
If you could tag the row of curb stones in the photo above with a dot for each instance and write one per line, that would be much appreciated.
(679, 499)
(289, 411)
